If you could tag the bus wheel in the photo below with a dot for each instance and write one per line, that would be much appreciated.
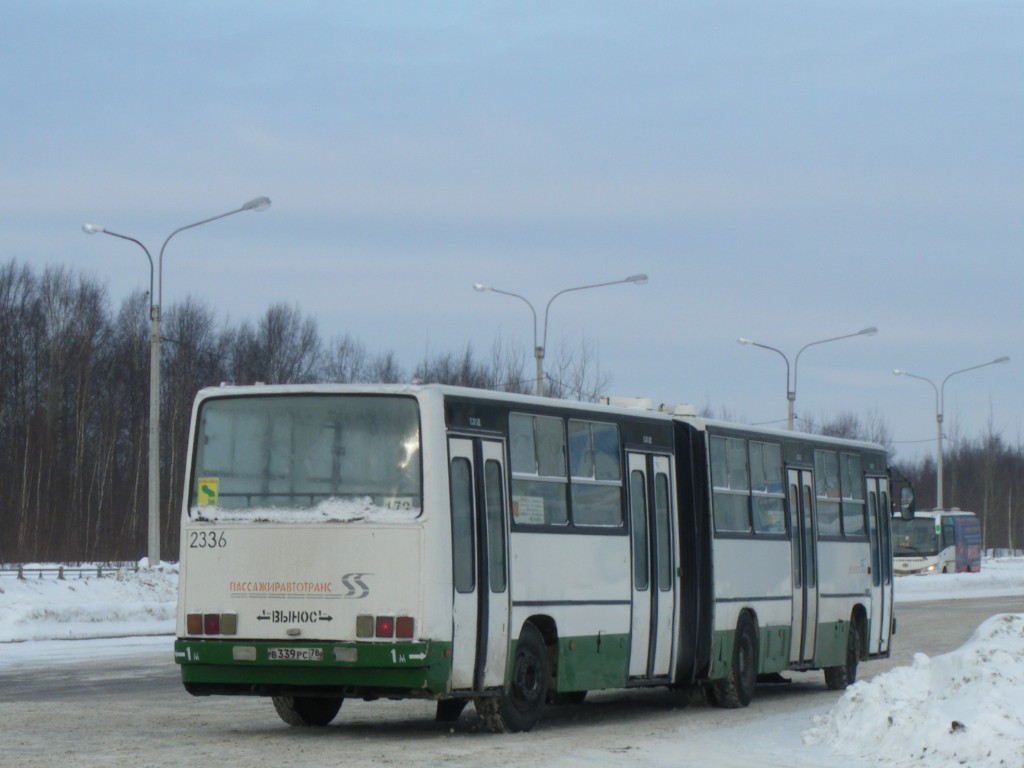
(736, 689)
(307, 710)
(519, 708)
(840, 677)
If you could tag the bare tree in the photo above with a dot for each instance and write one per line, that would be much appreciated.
(461, 370)
(346, 361)
(384, 369)
(284, 348)
(508, 368)
(576, 374)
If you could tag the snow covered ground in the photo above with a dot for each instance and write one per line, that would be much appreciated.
(123, 604)
(962, 708)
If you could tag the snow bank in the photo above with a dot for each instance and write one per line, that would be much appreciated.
(119, 604)
(961, 708)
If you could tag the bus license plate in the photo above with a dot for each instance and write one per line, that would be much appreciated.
(295, 654)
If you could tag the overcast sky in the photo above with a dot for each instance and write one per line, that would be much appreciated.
(782, 171)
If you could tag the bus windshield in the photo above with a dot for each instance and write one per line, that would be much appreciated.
(914, 538)
(316, 458)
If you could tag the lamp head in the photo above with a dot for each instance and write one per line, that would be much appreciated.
(1003, 359)
(743, 340)
(636, 279)
(481, 287)
(92, 229)
(898, 372)
(867, 331)
(257, 204)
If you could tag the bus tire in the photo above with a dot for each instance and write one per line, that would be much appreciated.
(840, 677)
(736, 689)
(520, 706)
(306, 711)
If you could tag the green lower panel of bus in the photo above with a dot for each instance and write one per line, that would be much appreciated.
(592, 662)
(242, 667)
(830, 648)
(773, 650)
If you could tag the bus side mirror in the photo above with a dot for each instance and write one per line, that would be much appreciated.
(907, 503)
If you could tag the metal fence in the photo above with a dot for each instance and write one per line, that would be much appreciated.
(66, 571)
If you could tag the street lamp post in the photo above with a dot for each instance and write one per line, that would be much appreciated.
(940, 406)
(791, 384)
(155, 301)
(538, 349)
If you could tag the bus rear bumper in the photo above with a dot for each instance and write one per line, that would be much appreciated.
(262, 668)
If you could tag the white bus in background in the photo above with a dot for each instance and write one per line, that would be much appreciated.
(511, 551)
(939, 541)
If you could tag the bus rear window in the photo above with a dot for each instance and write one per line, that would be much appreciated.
(315, 458)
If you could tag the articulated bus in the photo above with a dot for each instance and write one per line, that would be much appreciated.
(938, 541)
(458, 545)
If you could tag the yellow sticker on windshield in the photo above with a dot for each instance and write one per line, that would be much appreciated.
(209, 491)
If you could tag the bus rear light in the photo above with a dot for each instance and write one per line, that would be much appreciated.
(211, 623)
(229, 623)
(404, 626)
(385, 627)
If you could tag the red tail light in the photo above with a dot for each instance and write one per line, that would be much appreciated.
(385, 627)
(211, 623)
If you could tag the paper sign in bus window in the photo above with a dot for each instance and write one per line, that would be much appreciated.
(528, 510)
(209, 492)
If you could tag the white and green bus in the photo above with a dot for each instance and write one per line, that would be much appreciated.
(458, 545)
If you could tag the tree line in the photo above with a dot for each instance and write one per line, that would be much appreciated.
(74, 410)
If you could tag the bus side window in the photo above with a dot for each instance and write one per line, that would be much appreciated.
(730, 481)
(663, 527)
(463, 559)
(826, 473)
(638, 519)
(948, 533)
(876, 574)
(495, 525)
(794, 529)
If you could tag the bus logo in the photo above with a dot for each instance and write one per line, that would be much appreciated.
(357, 588)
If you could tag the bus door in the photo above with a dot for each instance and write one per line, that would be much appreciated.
(803, 531)
(480, 610)
(654, 568)
(880, 538)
